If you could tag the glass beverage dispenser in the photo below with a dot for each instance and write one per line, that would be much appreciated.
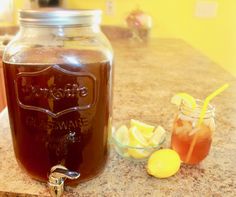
(58, 75)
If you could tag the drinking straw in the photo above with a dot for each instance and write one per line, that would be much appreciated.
(202, 115)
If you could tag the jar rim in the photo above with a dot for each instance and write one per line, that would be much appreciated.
(59, 17)
(185, 109)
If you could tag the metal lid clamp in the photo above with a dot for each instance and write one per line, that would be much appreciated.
(57, 177)
(59, 17)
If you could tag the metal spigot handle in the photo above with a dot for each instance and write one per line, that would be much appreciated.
(57, 176)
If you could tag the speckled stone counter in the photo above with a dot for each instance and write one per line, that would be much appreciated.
(146, 77)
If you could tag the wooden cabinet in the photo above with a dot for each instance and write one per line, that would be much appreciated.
(9, 31)
(3, 102)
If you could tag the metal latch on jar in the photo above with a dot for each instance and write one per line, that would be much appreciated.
(57, 177)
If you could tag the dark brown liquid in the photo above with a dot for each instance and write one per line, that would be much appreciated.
(59, 114)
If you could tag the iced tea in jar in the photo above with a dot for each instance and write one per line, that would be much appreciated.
(58, 74)
(186, 128)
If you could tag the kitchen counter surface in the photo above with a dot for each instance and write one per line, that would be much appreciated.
(146, 77)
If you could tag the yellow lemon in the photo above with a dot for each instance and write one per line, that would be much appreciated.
(157, 137)
(145, 129)
(163, 163)
(184, 97)
(122, 135)
(136, 137)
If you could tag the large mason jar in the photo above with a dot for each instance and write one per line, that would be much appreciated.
(58, 75)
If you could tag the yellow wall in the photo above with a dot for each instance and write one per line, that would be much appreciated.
(215, 37)
(163, 12)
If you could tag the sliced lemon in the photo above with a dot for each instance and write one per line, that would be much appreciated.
(157, 137)
(184, 97)
(122, 135)
(163, 163)
(137, 153)
(145, 129)
(136, 137)
(121, 151)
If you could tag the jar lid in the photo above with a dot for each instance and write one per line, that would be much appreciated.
(59, 17)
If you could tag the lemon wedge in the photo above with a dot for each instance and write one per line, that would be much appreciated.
(137, 141)
(138, 153)
(163, 163)
(184, 97)
(145, 129)
(122, 135)
(121, 151)
(157, 137)
(136, 137)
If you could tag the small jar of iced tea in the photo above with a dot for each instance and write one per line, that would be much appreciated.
(58, 74)
(186, 128)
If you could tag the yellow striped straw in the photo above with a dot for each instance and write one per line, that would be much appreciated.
(202, 115)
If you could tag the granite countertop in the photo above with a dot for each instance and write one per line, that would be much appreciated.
(146, 77)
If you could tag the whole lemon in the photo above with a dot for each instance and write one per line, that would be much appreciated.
(163, 163)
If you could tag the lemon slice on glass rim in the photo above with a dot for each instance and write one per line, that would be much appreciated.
(185, 98)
